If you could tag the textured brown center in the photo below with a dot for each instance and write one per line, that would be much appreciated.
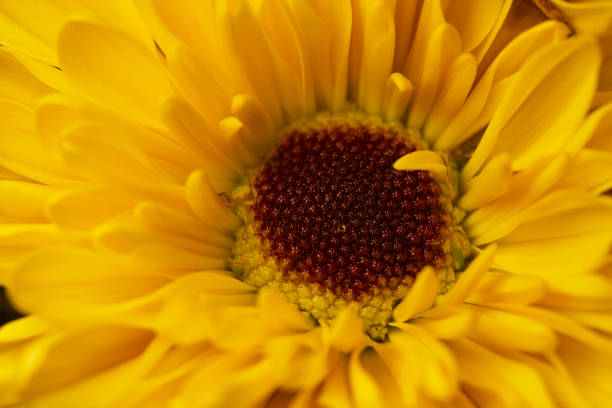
(334, 213)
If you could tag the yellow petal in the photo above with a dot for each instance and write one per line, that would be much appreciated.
(443, 47)
(80, 279)
(475, 19)
(207, 205)
(420, 363)
(22, 199)
(599, 137)
(22, 150)
(22, 329)
(581, 292)
(299, 361)
(559, 323)
(16, 83)
(232, 379)
(589, 170)
(421, 296)
(166, 219)
(506, 287)
(593, 131)
(548, 74)
(129, 353)
(373, 52)
(291, 55)
(93, 57)
(588, 17)
(192, 131)
(446, 321)
(423, 160)
(86, 208)
(199, 84)
(366, 392)
(493, 379)
(346, 332)
(492, 182)
(397, 95)
(477, 110)
(258, 125)
(549, 259)
(335, 392)
(590, 370)
(85, 150)
(563, 214)
(469, 278)
(458, 81)
(279, 315)
(511, 331)
(248, 46)
(501, 217)
(32, 28)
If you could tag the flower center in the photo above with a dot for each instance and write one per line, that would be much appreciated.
(329, 221)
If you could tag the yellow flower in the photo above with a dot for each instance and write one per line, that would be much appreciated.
(305, 203)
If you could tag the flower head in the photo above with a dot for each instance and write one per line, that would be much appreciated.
(306, 203)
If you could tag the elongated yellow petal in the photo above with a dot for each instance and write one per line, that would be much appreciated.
(208, 206)
(538, 79)
(492, 182)
(470, 277)
(512, 331)
(423, 160)
(421, 296)
(125, 89)
(493, 379)
(279, 315)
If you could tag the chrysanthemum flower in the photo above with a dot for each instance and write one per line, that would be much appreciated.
(305, 203)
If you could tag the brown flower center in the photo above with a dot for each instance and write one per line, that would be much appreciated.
(335, 212)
